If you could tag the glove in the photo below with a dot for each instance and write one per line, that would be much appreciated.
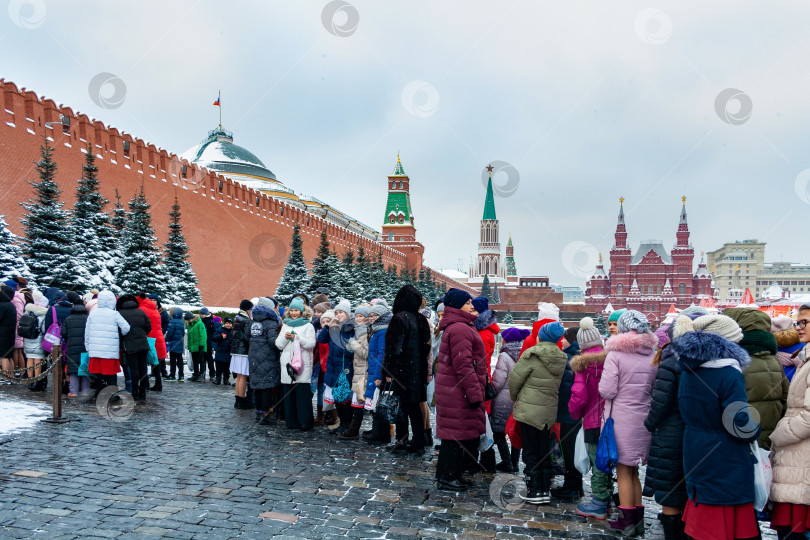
(475, 405)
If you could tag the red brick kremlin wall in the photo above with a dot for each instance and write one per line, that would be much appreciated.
(238, 238)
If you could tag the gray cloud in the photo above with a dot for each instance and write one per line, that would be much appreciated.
(583, 108)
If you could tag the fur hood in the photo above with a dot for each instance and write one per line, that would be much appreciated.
(786, 338)
(37, 310)
(632, 342)
(485, 320)
(582, 361)
(408, 299)
(696, 348)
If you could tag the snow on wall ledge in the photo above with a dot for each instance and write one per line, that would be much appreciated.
(238, 238)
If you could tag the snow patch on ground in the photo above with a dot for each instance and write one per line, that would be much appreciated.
(19, 415)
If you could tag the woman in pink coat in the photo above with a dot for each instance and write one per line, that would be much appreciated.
(626, 384)
(19, 304)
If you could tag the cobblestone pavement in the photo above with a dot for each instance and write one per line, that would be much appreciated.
(186, 464)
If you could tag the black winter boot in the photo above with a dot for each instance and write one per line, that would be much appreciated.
(673, 526)
(516, 459)
(506, 458)
(535, 493)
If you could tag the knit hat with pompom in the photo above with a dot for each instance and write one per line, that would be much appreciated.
(588, 336)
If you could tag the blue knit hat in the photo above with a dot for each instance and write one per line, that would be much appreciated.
(551, 332)
(481, 304)
(11, 283)
(456, 298)
(297, 303)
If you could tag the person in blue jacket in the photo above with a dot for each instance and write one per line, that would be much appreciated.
(174, 335)
(379, 316)
(340, 359)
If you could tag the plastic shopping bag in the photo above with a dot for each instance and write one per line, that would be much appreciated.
(581, 460)
(486, 440)
(763, 476)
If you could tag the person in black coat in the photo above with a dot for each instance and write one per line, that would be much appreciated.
(222, 358)
(73, 336)
(8, 330)
(135, 345)
(263, 355)
(211, 328)
(571, 489)
(240, 341)
(664, 477)
(407, 346)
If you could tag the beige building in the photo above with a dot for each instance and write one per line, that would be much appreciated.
(741, 265)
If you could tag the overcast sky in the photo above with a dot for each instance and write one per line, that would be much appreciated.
(587, 102)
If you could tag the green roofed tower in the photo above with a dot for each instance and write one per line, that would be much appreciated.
(398, 228)
(488, 262)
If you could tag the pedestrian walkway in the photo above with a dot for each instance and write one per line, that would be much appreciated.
(186, 464)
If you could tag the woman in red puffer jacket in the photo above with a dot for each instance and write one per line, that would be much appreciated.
(460, 379)
(149, 307)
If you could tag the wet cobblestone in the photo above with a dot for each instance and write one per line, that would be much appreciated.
(186, 464)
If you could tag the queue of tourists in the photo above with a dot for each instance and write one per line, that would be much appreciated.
(703, 401)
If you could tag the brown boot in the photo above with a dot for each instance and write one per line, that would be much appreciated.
(330, 418)
(319, 417)
(353, 433)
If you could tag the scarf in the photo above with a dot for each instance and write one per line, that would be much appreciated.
(721, 363)
(295, 323)
(512, 348)
(758, 341)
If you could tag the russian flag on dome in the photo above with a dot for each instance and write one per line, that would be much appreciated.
(217, 101)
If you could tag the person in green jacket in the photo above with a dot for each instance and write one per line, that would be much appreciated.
(534, 385)
(197, 343)
(765, 382)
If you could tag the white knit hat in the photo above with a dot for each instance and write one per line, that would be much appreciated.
(716, 324)
(587, 335)
(547, 310)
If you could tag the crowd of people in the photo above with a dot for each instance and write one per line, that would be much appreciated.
(686, 399)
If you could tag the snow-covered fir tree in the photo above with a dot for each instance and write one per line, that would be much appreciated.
(352, 288)
(486, 290)
(95, 241)
(364, 275)
(48, 243)
(181, 281)
(119, 217)
(508, 318)
(393, 284)
(140, 268)
(601, 325)
(295, 278)
(12, 262)
(377, 275)
(321, 272)
(496, 297)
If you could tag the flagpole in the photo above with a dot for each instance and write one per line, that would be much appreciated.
(219, 98)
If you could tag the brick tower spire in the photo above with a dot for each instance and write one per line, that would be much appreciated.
(620, 279)
(511, 269)
(398, 225)
(489, 247)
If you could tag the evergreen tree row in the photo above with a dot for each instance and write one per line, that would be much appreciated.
(88, 248)
(358, 277)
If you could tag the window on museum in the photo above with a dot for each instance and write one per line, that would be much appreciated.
(390, 237)
(682, 288)
(619, 288)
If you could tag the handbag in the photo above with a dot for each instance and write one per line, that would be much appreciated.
(151, 355)
(763, 476)
(297, 359)
(313, 380)
(513, 432)
(84, 364)
(556, 454)
(489, 390)
(342, 391)
(607, 455)
(53, 336)
(389, 407)
(582, 461)
(486, 439)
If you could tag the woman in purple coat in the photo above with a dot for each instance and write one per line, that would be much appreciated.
(626, 385)
(460, 380)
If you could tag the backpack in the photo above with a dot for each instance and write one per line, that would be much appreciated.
(29, 326)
